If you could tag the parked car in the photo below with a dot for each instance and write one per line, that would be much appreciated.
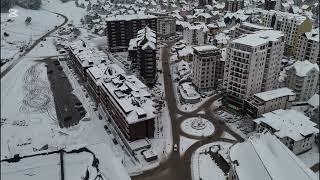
(175, 148)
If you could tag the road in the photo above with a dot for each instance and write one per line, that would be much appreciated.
(177, 167)
(16, 61)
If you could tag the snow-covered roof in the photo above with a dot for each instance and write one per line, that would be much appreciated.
(289, 123)
(129, 17)
(183, 68)
(130, 96)
(255, 26)
(302, 68)
(147, 38)
(312, 35)
(205, 48)
(104, 71)
(273, 94)
(259, 37)
(263, 156)
(314, 101)
(187, 91)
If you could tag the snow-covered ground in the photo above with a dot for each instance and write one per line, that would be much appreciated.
(22, 35)
(197, 127)
(185, 143)
(203, 166)
(310, 157)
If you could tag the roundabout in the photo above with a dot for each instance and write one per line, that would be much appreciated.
(197, 126)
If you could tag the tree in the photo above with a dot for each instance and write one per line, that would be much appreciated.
(28, 20)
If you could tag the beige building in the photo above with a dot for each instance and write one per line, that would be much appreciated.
(293, 25)
(195, 34)
(308, 47)
(252, 65)
(292, 128)
(166, 27)
(302, 77)
(204, 67)
(268, 101)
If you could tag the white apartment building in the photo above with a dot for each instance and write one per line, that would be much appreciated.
(308, 47)
(293, 25)
(247, 28)
(195, 34)
(302, 77)
(204, 67)
(252, 65)
(268, 101)
(166, 27)
(263, 156)
(292, 128)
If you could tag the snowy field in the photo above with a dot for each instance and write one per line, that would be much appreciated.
(22, 35)
(197, 127)
(203, 166)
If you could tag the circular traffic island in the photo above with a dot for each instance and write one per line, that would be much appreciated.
(197, 126)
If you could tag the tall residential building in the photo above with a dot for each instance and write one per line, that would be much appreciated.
(252, 65)
(233, 5)
(302, 77)
(143, 51)
(247, 28)
(195, 34)
(122, 28)
(293, 25)
(308, 47)
(166, 27)
(205, 67)
(272, 5)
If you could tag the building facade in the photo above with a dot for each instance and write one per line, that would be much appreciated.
(252, 65)
(292, 128)
(166, 27)
(233, 5)
(293, 25)
(268, 101)
(122, 28)
(205, 67)
(308, 47)
(272, 5)
(302, 77)
(195, 34)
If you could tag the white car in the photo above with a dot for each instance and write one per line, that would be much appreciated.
(175, 148)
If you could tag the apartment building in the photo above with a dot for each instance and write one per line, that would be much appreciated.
(292, 128)
(252, 65)
(272, 5)
(122, 28)
(308, 47)
(293, 25)
(142, 52)
(247, 28)
(205, 67)
(263, 156)
(195, 34)
(84, 55)
(302, 77)
(268, 101)
(166, 27)
(125, 99)
(233, 5)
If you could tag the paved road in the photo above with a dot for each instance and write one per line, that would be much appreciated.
(16, 61)
(176, 167)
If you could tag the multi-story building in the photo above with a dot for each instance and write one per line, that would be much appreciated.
(308, 47)
(166, 27)
(302, 77)
(252, 65)
(195, 34)
(291, 127)
(268, 101)
(272, 5)
(125, 99)
(233, 5)
(263, 156)
(205, 67)
(142, 51)
(247, 28)
(293, 25)
(122, 28)
(84, 55)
